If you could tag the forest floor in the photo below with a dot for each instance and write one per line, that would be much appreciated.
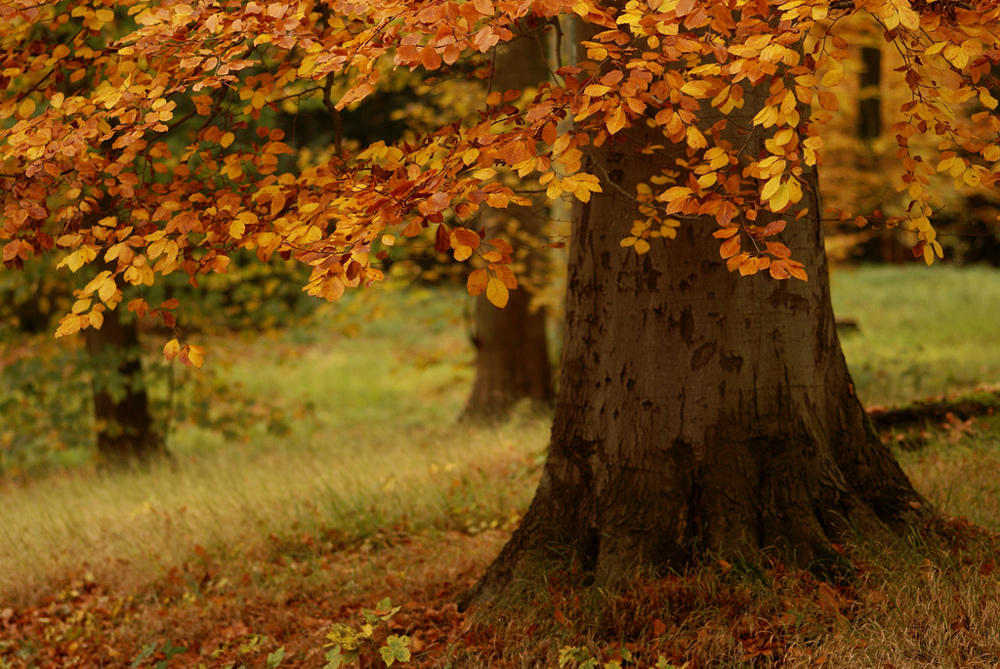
(353, 485)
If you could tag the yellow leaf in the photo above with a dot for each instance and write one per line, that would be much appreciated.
(470, 156)
(496, 292)
(909, 18)
(770, 188)
(987, 99)
(26, 108)
(946, 164)
(697, 88)
(695, 139)
(971, 178)
(196, 355)
(834, 75)
(780, 199)
(107, 290)
(596, 90)
(68, 325)
(96, 282)
(641, 246)
(226, 140)
(96, 319)
(554, 189)
(172, 348)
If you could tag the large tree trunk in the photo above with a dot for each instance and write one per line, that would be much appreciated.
(125, 432)
(699, 410)
(512, 358)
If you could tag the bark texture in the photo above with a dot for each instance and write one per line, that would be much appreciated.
(126, 435)
(699, 410)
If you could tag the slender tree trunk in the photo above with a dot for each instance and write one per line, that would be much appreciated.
(125, 432)
(699, 410)
(512, 358)
(870, 96)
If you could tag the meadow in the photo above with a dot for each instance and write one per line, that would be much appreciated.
(246, 550)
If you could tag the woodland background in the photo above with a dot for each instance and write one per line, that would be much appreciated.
(318, 464)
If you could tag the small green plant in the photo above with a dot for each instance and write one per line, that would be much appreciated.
(348, 643)
(161, 653)
(581, 658)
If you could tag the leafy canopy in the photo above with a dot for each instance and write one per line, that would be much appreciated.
(137, 137)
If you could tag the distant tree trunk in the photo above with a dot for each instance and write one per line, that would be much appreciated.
(699, 410)
(125, 431)
(870, 96)
(512, 358)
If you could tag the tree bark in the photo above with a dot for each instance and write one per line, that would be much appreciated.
(512, 358)
(125, 432)
(699, 410)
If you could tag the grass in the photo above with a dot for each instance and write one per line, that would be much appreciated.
(249, 544)
(374, 449)
(923, 331)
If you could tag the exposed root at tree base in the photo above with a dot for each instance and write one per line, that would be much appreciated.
(936, 410)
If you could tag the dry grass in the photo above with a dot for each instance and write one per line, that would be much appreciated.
(130, 529)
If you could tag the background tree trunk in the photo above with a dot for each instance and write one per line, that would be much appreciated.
(512, 358)
(699, 410)
(125, 431)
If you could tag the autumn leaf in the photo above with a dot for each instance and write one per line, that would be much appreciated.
(616, 119)
(171, 349)
(477, 281)
(730, 247)
(496, 292)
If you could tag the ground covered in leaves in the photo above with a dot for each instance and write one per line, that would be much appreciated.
(934, 601)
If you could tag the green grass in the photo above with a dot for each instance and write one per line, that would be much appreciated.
(924, 331)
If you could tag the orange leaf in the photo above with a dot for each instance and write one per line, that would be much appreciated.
(725, 233)
(477, 282)
(616, 119)
(730, 247)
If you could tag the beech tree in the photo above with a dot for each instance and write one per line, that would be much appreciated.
(705, 402)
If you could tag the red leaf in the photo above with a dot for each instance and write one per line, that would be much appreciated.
(442, 240)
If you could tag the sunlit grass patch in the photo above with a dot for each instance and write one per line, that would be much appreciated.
(922, 331)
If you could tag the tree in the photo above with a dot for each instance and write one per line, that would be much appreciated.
(126, 435)
(699, 409)
(512, 355)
